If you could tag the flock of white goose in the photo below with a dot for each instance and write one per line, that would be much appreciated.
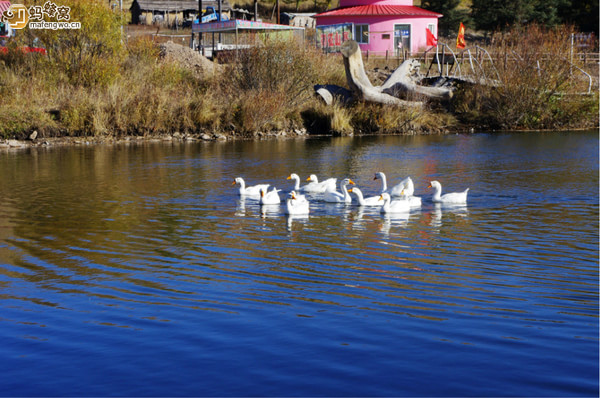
(396, 199)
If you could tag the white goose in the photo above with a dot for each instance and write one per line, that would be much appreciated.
(296, 179)
(319, 187)
(333, 196)
(269, 198)
(362, 201)
(249, 191)
(396, 190)
(294, 206)
(393, 206)
(449, 198)
(408, 191)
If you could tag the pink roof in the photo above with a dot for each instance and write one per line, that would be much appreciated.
(4, 5)
(379, 10)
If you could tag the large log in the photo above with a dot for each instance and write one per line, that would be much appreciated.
(329, 92)
(359, 82)
(403, 82)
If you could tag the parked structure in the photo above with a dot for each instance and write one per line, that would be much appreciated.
(168, 13)
(379, 26)
(301, 19)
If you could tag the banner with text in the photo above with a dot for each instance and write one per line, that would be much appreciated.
(331, 37)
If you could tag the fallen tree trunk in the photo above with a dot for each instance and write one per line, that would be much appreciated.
(403, 82)
(329, 92)
(359, 82)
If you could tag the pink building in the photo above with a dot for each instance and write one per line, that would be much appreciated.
(378, 25)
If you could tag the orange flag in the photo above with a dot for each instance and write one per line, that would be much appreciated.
(460, 39)
(431, 39)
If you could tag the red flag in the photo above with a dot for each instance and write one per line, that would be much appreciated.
(431, 39)
(460, 39)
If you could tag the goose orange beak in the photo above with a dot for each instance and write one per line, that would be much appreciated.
(289, 178)
(351, 182)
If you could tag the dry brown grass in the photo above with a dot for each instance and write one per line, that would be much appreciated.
(129, 90)
(540, 89)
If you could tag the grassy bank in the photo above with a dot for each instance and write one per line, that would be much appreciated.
(92, 84)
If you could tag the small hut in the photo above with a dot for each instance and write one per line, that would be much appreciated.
(173, 12)
(304, 20)
(378, 26)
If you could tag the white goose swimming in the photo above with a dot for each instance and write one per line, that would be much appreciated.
(408, 191)
(362, 201)
(396, 190)
(393, 206)
(295, 206)
(296, 178)
(315, 186)
(249, 191)
(269, 198)
(449, 198)
(333, 196)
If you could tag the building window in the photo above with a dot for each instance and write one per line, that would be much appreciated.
(361, 34)
(385, 36)
(431, 28)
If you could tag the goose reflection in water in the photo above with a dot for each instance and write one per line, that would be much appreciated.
(240, 209)
(270, 210)
(295, 219)
(438, 210)
(393, 220)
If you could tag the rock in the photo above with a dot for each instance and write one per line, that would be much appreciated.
(206, 137)
(188, 58)
(33, 135)
(15, 144)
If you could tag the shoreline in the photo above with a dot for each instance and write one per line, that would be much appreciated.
(70, 141)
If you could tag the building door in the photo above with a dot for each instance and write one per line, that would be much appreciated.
(401, 39)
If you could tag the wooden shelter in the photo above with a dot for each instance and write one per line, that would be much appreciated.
(170, 12)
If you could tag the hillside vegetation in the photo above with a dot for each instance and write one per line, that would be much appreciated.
(94, 84)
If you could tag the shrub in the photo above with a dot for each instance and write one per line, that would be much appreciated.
(536, 87)
(88, 56)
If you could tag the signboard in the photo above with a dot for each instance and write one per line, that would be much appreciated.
(402, 33)
(330, 37)
(235, 24)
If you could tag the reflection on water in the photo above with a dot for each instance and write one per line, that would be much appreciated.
(137, 268)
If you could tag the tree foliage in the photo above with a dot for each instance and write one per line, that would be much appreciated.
(494, 15)
(89, 55)
(452, 16)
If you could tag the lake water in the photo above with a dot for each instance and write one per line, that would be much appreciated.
(136, 270)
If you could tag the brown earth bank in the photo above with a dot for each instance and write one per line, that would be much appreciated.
(42, 142)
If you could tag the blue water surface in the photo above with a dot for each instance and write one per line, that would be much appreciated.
(137, 270)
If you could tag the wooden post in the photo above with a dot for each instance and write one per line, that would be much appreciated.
(200, 46)
(443, 61)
